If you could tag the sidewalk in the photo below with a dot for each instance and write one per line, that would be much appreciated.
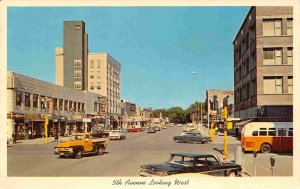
(39, 141)
(219, 138)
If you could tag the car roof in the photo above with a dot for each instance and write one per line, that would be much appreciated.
(192, 155)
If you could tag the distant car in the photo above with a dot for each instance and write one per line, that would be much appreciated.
(181, 163)
(134, 129)
(192, 138)
(151, 129)
(171, 125)
(116, 135)
(164, 127)
(157, 128)
(99, 134)
(179, 125)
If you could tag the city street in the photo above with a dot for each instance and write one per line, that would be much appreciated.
(123, 158)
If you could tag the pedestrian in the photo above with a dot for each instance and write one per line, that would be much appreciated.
(236, 131)
(56, 137)
(14, 138)
(29, 133)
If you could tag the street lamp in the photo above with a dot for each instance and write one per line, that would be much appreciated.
(197, 73)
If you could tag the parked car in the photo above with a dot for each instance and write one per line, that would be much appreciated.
(134, 129)
(79, 145)
(192, 137)
(151, 129)
(181, 163)
(116, 135)
(157, 128)
(164, 127)
(99, 134)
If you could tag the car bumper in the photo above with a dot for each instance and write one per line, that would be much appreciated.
(143, 174)
(64, 153)
(115, 138)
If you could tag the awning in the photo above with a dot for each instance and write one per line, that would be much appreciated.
(242, 123)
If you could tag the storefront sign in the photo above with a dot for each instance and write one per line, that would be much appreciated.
(86, 120)
(77, 117)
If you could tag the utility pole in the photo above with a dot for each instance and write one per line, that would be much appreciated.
(201, 112)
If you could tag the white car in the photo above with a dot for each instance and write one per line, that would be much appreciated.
(116, 135)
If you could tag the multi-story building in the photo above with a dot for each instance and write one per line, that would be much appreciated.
(228, 101)
(29, 100)
(214, 99)
(263, 64)
(95, 72)
(71, 61)
(104, 79)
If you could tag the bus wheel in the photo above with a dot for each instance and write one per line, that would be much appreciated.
(265, 148)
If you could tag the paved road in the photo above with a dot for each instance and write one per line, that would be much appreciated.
(123, 158)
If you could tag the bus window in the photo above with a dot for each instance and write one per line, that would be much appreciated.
(281, 132)
(272, 133)
(254, 133)
(262, 133)
(290, 132)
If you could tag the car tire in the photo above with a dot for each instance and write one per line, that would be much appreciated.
(265, 148)
(232, 174)
(62, 156)
(78, 153)
(100, 150)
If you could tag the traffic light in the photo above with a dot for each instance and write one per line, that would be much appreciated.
(224, 114)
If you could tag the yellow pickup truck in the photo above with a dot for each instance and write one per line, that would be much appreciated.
(81, 144)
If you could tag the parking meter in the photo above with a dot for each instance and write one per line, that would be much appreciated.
(255, 154)
(272, 161)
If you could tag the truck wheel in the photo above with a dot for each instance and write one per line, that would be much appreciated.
(265, 148)
(232, 174)
(100, 150)
(78, 153)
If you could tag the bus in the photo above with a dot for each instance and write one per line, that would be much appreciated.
(267, 136)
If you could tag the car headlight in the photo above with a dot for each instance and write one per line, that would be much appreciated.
(71, 149)
(55, 150)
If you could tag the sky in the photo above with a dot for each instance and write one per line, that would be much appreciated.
(158, 47)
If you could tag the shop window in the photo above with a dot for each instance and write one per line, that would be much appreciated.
(70, 106)
(55, 103)
(43, 102)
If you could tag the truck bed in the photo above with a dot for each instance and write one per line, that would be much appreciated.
(99, 140)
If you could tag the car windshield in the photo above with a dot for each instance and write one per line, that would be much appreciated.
(182, 160)
(77, 137)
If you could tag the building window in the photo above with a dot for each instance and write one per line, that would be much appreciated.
(19, 98)
(289, 26)
(272, 56)
(77, 85)
(92, 64)
(79, 107)
(70, 106)
(98, 74)
(290, 55)
(77, 63)
(55, 103)
(35, 100)
(75, 106)
(66, 105)
(253, 88)
(43, 102)
(290, 84)
(27, 99)
(95, 106)
(273, 85)
(91, 85)
(77, 27)
(60, 104)
(253, 60)
(92, 74)
(272, 27)
(82, 107)
(98, 85)
(98, 63)
(77, 74)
